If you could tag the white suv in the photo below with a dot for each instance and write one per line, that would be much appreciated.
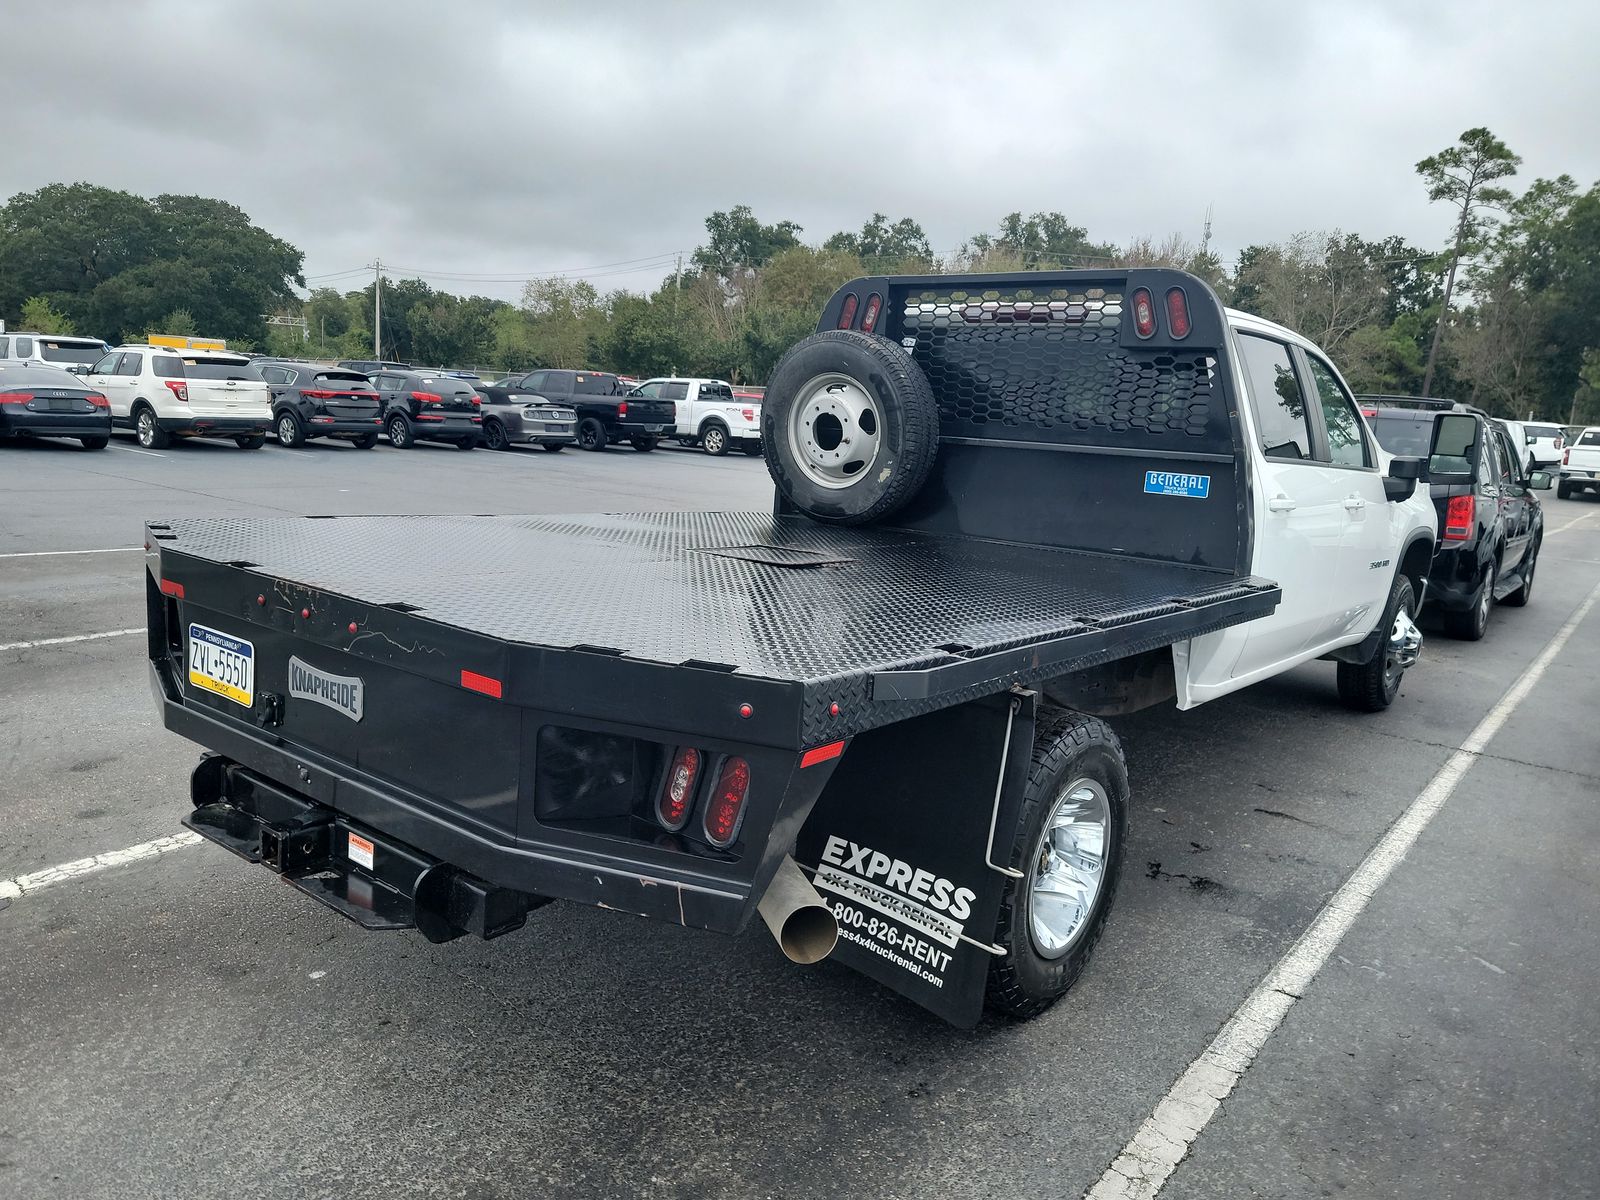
(75, 354)
(708, 413)
(161, 393)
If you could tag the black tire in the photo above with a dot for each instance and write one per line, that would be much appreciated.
(1563, 490)
(1372, 686)
(399, 431)
(467, 444)
(290, 431)
(592, 434)
(1067, 748)
(494, 436)
(714, 440)
(554, 447)
(250, 441)
(751, 447)
(644, 444)
(95, 443)
(1470, 626)
(365, 442)
(841, 389)
(150, 435)
(1520, 597)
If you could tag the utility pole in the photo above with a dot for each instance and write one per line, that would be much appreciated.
(677, 286)
(377, 310)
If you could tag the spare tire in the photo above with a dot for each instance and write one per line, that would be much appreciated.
(849, 427)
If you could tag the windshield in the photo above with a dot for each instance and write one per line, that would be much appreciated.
(83, 353)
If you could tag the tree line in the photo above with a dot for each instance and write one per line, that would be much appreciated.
(1504, 311)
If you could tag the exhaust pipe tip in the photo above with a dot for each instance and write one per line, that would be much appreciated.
(798, 917)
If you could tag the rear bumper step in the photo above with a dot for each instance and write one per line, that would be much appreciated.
(372, 879)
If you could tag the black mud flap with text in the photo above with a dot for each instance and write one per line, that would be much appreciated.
(911, 844)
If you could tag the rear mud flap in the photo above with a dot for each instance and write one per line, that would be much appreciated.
(360, 874)
(910, 843)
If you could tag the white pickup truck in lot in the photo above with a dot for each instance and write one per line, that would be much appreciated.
(709, 415)
(1580, 464)
(1008, 507)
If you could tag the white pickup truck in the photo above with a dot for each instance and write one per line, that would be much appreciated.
(709, 415)
(1580, 464)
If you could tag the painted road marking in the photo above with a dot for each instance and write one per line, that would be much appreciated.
(133, 450)
(63, 641)
(1143, 1167)
(1571, 523)
(26, 885)
(53, 553)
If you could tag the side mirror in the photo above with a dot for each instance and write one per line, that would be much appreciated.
(1541, 481)
(1453, 455)
(1404, 473)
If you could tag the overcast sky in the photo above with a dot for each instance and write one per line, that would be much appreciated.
(504, 140)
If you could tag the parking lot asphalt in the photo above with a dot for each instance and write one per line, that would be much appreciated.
(185, 1025)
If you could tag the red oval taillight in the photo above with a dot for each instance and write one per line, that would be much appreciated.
(677, 790)
(847, 314)
(726, 807)
(1144, 312)
(869, 315)
(1177, 313)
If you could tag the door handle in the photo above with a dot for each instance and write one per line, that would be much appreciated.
(1354, 503)
(1280, 503)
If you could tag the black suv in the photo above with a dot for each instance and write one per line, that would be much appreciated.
(606, 413)
(1490, 521)
(429, 408)
(309, 401)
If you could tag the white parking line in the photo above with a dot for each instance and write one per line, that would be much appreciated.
(136, 450)
(1571, 523)
(1148, 1160)
(26, 885)
(54, 553)
(63, 641)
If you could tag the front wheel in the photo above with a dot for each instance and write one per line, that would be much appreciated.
(95, 443)
(591, 434)
(644, 444)
(715, 440)
(250, 441)
(1069, 849)
(1372, 686)
(400, 433)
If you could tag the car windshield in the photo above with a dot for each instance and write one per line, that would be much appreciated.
(84, 354)
(220, 368)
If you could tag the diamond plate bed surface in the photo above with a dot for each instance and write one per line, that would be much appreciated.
(653, 587)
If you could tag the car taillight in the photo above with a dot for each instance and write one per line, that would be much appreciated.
(477, 400)
(179, 388)
(1177, 313)
(748, 413)
(310, 395)
(869, 315)
(96, 399)
(847, 314)
(427, 397)
(726, 806)
(622, 409)
(15, 397)
(677, 791)
(1144, 313)
(1459, 518)
(1566, 457)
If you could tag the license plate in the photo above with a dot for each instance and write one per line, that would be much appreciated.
(654, 428)
(557, 427)
(223, 664)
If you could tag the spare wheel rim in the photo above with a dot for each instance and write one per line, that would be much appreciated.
(835, 431)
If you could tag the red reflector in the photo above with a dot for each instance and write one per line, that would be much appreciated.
(677, 792)
(822, 754)
(1144, 312)
(1459, 518)
(847, 314)
(171, 587)
(480, 683)
(1177, 313)
(727, 802)
(869, 315)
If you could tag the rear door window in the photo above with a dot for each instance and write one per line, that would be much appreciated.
(674, 391)
(1589, 437)
(1276, 398)
(167, 366)
(132, 363)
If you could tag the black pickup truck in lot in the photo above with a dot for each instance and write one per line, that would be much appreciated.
(1007, 507)
(606, 413)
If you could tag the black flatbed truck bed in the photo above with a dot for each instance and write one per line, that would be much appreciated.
(454, 719)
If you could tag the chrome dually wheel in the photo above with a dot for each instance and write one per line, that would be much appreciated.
(1068, 867)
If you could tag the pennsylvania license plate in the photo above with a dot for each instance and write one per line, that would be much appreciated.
(654, 428)
(222, 664)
